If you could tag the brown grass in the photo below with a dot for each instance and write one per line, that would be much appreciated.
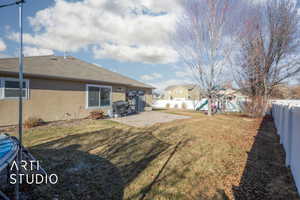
(198, 158)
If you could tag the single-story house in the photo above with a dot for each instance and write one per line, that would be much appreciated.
(59, 88)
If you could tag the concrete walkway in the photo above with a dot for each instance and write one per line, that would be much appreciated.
(148, 118)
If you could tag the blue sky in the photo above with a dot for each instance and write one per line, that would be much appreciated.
(130, 37)
(125, 33)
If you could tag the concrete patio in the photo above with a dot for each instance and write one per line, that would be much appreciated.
(148, 118)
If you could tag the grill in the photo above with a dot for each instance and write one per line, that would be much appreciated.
(120, 108)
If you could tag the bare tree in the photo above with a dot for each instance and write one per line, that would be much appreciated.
(269, 42)
(202, 42)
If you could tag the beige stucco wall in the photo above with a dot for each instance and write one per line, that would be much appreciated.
(119, 93)
(182, 93)
(177, 93)
(149, 97)
(53, 100)
(195, 94)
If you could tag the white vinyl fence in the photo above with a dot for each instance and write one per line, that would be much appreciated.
(183, 104)
(286, 116)
(230, 106)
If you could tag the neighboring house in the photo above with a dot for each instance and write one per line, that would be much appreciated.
(193, 92)
(182, 92)
(230, 92)
(58, 88)
(157, 96)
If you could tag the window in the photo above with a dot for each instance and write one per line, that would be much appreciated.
(105, 96)
(93, 96)
(9, 88)
(98, 96)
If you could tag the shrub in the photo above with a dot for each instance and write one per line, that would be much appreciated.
(255, 107)
(96, 114)
(33, 122)
(183, 105)
(168, 105)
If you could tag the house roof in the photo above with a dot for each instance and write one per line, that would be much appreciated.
(187, 86)
(69, 68)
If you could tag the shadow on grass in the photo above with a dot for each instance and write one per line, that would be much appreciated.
(167, 183)
(95, 165)
(81, 175)
(159, 109)
(265, 175)
(149, 187)
(219, 195)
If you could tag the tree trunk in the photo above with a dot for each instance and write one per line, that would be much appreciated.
(209, 110)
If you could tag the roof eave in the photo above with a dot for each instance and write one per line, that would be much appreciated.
(30, 75)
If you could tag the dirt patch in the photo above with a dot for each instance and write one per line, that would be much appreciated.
(265, 175)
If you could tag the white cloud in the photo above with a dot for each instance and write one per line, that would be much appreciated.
(34, 51)
(125, 30)
(149, 77)
(2, 45)
(146, 54)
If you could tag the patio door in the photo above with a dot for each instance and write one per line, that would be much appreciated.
(138, 99)
(141, 103)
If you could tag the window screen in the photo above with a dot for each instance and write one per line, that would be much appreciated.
(11, 89)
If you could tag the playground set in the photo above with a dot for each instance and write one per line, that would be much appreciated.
(222, 102)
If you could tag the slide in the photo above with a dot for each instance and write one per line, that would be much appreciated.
(202, 105)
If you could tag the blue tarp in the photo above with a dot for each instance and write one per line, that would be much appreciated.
(8, 150)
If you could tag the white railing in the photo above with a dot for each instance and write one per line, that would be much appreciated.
(286, 114)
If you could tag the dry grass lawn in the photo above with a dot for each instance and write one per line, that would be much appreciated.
(220, 157)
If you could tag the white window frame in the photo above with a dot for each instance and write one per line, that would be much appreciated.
(87, 96)
(2, 88)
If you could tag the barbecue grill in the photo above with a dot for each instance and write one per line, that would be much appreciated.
(120, 108)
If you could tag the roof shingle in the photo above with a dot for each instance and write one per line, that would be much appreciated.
(66, 68)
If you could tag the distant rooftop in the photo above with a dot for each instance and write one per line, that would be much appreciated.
(187, 86)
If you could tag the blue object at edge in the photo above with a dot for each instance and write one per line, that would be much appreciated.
(6, 145)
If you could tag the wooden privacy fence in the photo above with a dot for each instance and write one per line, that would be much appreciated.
(286, 116)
